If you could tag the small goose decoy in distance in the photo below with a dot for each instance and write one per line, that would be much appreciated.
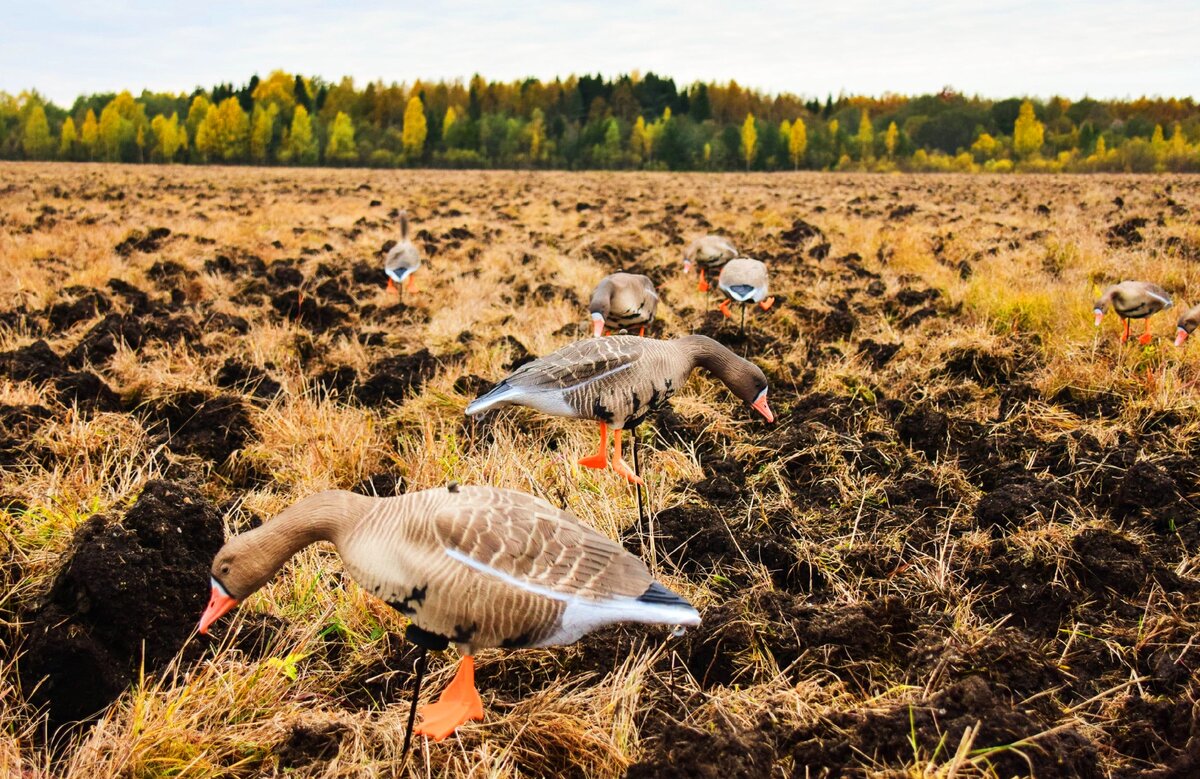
(744, 281)
(1133, 300)
(710, 252)
(618, 381)
(1187, 324)
(402, 260)
(623, 301)
(479, 567)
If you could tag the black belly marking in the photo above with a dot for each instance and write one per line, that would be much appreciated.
(463, 635)
(409, 603)
(657, 401)
(518, 642)
(601, 413)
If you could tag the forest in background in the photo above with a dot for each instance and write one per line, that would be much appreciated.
(633, 122)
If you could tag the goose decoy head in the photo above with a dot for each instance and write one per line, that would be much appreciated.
(238, 571)
(1187, 325)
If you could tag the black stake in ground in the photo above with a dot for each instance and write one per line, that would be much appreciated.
(424, 641)
(743, 330)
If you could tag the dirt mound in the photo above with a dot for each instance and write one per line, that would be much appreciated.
(717, 751)
(142, 241)
(801, 231)
(101, 342)
(36, 362)
(87, 391)
(1127, 233)
(127, 591)
(394, 378)
(87, 303)
(195, 424)
(845, 743)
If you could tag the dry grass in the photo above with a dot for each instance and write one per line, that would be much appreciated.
(833, 485)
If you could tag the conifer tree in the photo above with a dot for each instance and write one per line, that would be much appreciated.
(36, 141)
(415, 128)
(89, 134)
(797, 142)
(749, 140)
(341, 147)
(890, 139)
(68, 140)
(1028, 133)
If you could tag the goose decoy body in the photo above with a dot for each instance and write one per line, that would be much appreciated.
(618, 381)
(623, 301)
(744, 281)
(1187, 324)
(403, 259)
(1133, 300)
(479, 567)
(710, 253)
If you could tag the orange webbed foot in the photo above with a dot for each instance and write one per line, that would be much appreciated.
(598, 461)
(1145, 338)
(621, 469)
(460, 702)
(724, 307)
(765, 305)
(412, 286)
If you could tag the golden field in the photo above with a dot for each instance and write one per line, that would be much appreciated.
(967, 546)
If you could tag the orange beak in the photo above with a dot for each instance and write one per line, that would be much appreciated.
(1099, 317)
(1181, 335)
(218, 605)
(761, 407)
(597, 326)
(687, 266)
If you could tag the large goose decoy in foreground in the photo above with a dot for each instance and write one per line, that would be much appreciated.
(623, 301)
(1133, 300)
(479, 567)
(1187, 324)
(710, 252)
(744, 281)
(618, 381)
(403, 259)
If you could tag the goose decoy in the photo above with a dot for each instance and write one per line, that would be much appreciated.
(1133, 300)
(402, 260)
(618, 381)
(1187, 324)
(710, 253)
(623, 301)
(479, 567)
(744, 281)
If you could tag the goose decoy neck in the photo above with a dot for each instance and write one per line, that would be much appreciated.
(744, 379)
(404, 225)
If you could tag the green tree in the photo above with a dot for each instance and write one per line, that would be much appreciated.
(797, 142)
(89, 134)
(36, 140)
(341, 147)
(1028, 133)
(68, 140)
(537, 134)
(415, 128)
(749, 140)
(262, 130)
(300, 146)
(448, 122)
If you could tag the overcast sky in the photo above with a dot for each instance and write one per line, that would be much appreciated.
(1102, 48)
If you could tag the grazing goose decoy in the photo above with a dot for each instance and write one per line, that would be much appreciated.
(744, 281)
(403, 259)
(710, 252)
(618, 381)
(1187, 324)
(623, 301)
(1133, 300)
(479, 567)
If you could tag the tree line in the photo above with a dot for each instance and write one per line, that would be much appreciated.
(635, 121)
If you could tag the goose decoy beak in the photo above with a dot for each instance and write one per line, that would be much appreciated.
(597, 325)
(218, 605)
(1181, 335)
(687, 266)
(1099, 316)
(760, 405)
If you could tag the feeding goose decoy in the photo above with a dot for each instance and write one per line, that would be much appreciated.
(710, 253)
(623, 301)
(744, 281)
(403, 259)
(478, 567)
(1187, 324)
(618, 381)
(1133, 300)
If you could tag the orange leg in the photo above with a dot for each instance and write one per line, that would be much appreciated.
(391, 287)
(619, 465)
(1145, 338)
(765, 305)
(459, 703)
(600, 458)
(725, 309)
(641, 332)
(703, 285)
(412, 284)
(1125, 331)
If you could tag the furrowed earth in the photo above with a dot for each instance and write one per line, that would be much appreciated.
(967, 546)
